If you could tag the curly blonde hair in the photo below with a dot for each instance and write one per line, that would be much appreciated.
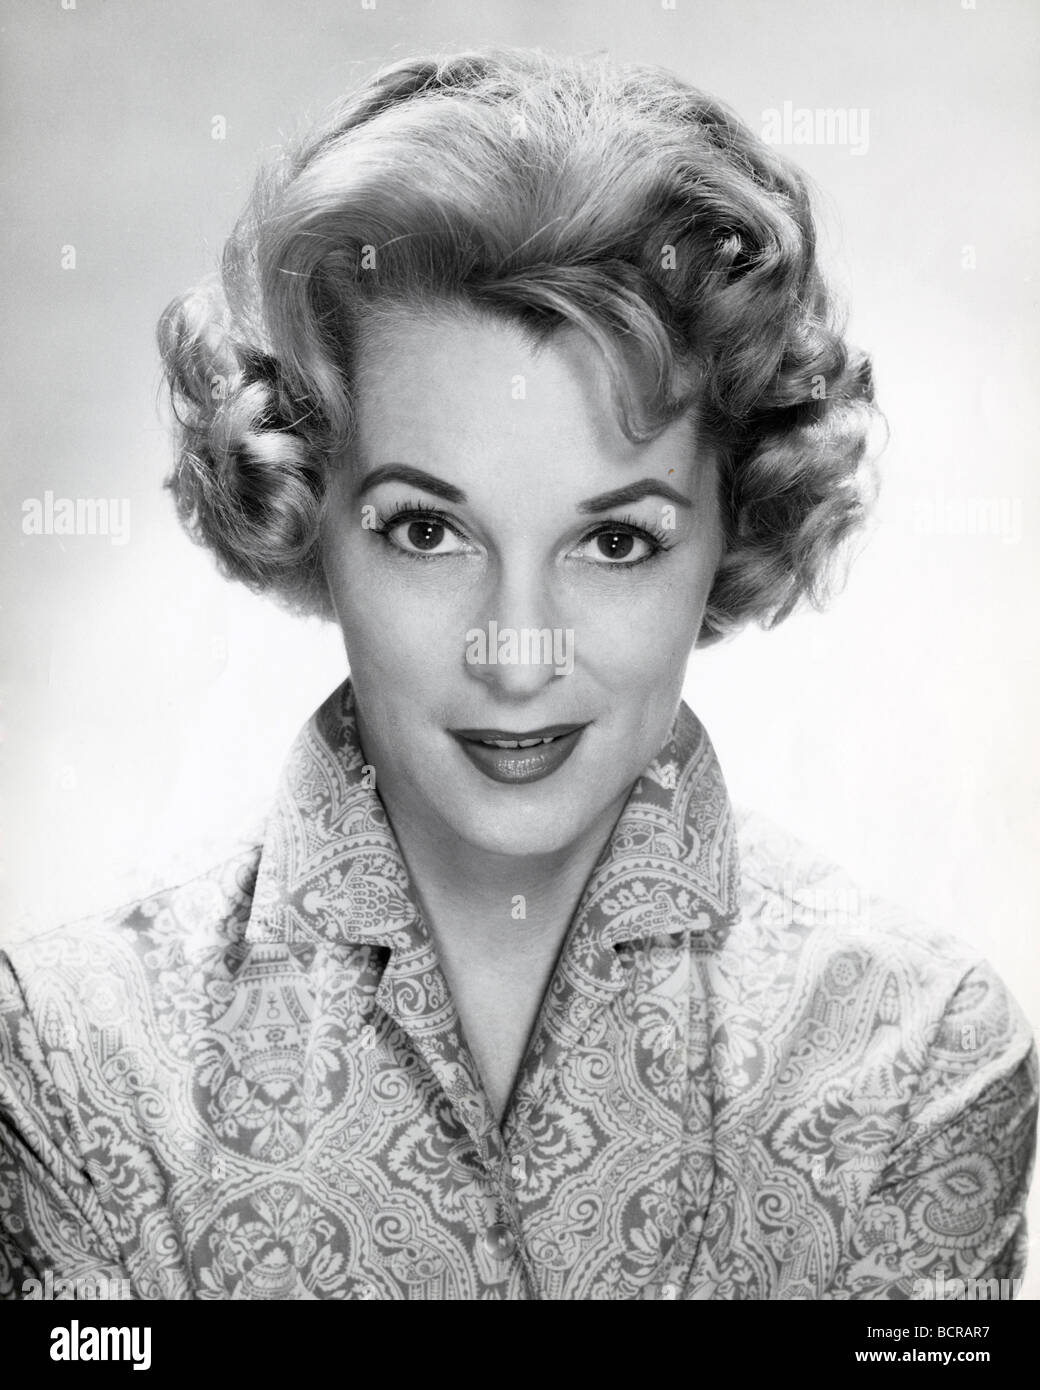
(552, 191)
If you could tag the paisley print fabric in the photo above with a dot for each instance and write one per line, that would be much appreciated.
(745, 1082)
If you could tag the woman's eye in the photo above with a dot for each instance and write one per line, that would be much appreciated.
(425, 536)
(615, 547)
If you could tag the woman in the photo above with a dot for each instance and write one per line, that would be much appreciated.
(523, 370)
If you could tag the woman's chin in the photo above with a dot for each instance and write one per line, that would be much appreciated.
(513, 836)
(530, 828)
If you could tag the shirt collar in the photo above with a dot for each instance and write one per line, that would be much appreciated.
(331, 871)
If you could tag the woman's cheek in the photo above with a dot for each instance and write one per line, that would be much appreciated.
(639, 644)
(395, 641)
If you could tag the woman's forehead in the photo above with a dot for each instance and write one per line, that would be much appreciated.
(455, 382)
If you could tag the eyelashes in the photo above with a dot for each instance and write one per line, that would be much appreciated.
(429, 518)
(431, 521)
(656, 536)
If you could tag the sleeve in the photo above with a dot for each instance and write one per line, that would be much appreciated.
(52, 1225)
(947, 1217)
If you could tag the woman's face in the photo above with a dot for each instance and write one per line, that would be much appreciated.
(506, 566)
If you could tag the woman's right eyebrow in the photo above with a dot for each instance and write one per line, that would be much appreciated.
(414, 477)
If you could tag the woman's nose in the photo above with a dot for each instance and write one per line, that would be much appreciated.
(520, 646)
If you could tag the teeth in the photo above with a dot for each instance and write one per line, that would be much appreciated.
(514, 742)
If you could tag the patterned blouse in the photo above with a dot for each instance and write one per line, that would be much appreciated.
(745, 1081)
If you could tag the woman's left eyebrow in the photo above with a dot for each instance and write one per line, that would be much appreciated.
(633, 492)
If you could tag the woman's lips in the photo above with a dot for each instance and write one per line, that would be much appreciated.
(510, 756)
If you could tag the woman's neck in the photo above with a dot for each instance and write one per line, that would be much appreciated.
(498, 922)
(500, 904)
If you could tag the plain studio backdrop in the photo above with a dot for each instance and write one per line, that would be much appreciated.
(148, 705)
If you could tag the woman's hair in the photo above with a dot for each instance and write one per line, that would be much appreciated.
(551, 191)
